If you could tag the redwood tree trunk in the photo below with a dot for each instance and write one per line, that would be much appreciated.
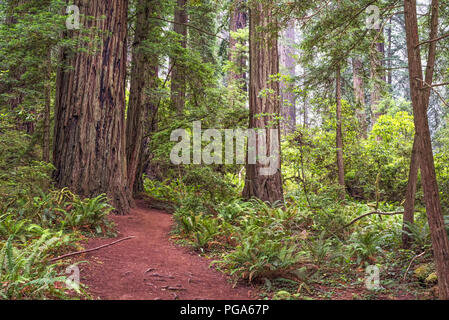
(89, 146)
(141, 108)
(378, 77)
(178, 77)
(440, 242)
(409, 205)
(47, 111)
(339, 137)
(264, 62)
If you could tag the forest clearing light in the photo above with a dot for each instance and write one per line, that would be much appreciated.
(213, 152)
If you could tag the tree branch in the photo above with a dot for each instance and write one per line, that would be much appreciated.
(432, 40)
(190, 26)
(90, 250)
(371, 213)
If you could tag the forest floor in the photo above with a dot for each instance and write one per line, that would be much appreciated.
(150, 266)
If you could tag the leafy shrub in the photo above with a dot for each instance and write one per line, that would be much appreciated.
(87, 214)
(258, 257)
(25, 272)
(365, 245)
(19, 229)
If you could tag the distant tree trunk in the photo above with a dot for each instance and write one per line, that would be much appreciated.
(440, 242)
(264, 62)
(409, 204)
(238, 21)
(89, 145)
(141, 108)
(378, 76)
(287, 95)
(47, 111)
(339, 137)
(359, 93)
(390, 56)
(305, 112)
(178, 76)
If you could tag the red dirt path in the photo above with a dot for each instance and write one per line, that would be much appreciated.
(150, 266)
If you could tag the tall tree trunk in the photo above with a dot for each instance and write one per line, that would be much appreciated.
(359, 93)
(409, 205)
(238, 21)
(141, 106)
(339, 137)
(89, 148)
(47, 111)
(440, 242)
(178, 76)
(264, 62)
(390, 56)
(378, 76)
(287, 95)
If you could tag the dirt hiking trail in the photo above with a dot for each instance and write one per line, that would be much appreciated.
(150, 266)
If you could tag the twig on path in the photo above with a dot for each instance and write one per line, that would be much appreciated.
(410, 264)
(90, 250)
(371, 213)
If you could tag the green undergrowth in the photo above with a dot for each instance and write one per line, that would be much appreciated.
(296, 247)
(39, 222)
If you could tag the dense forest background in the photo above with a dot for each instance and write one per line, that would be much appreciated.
(91, 92)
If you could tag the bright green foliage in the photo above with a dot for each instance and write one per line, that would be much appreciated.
(25, 272)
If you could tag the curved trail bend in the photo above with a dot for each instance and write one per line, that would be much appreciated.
(150, 266)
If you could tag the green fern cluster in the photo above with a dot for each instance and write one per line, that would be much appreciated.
(25, 272)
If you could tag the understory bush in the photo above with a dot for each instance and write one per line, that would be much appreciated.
(26, 273)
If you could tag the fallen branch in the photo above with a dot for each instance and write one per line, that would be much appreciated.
(414, 258)
(90, 250)
(371, 213)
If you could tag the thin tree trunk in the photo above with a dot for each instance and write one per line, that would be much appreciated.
(264, 62)
(359, 93)
(287, 95)
(47, 111)
(89, 146)
(440, 242)
(390, 56)
(238, 21)
(339, 137)
(409, 205)
(378, 77)
(178, 76)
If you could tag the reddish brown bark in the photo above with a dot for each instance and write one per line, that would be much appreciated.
(264, 62)
(47, 111)
(409, 205)
(440, 242)
(178, 76)
(89, 145)
(378, 75)
(141, 107)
